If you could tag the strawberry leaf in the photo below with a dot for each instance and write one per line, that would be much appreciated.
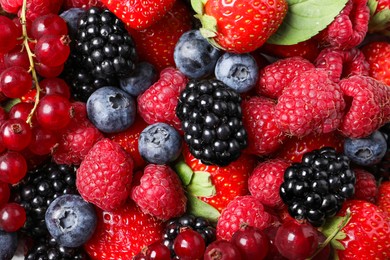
(333, 230)
(184, 171)
(197, 6)
(305, 19)
(201, 185)
(372, 4)
(380, 21)
(202, 209)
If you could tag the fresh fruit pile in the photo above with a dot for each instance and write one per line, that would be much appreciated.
(202, 129)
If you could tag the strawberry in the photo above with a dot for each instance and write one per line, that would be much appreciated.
(240, 26)
(383, 200)
(377, 54)
(139, 14)
(229, 181)
(156, 43)
(294, 148)
(122, 234)
(367, 232)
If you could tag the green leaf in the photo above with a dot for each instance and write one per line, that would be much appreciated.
(380, 21)
(201, 185)
(304, 19)
(372, 4)
(208, 22)
(10, 103)
(184, 171)
(197, 6)
(202, 209)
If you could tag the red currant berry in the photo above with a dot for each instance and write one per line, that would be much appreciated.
(20, 110)
(12, 217)
(48, 71)
(15, 134)
(54, 112)
(296, 241)
(9, 34)
(222, 249)
(5, 193)
(157, 251)
(43, 141)
(3, 114)
(252, 242)
(13, 167)
(55, 86)
(15, 82)
(52, 50)
(11, 7)
(189, 244)
(51, 24)
(273, 252)
(17, 57)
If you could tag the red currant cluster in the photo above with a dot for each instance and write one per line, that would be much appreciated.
(32, 56)
(12, 215)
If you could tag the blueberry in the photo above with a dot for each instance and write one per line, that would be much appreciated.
(8, 244)
(366, 151)
(111, 109)
(238, 71)
(140, 79)
(194, 56)
(159, 143)
(70, 220)
(72, 16)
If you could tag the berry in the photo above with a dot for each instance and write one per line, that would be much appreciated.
(9, 34)
(8, 244)
(4, 193)
(51, 24)
(15, 82)
(367, 101)
(296, 240)
(189, 244)
(298, 113)
(111, 109)
(123, 233)
(52, 50)
(251, 242)
(383, 199)
(15, 134)
(159, 143)
(258, 118)
(366, 150)
(316, 188)
(377, 54)
(54, 112)
(13, 167)
(222, 249)
(242, 210)
(194, 56)
(105, 175)
(70, 220)
(160, 192)
(342, 63)
(71, 17)
(211, 118)
(265, 180)
(158, 103)
(157, 251)
(365, 187)
(83, 4)
(278, 75)
(238, 71)
(43, 141)
(143, 76)
(55, 86)
(12, 217)
(37, 8)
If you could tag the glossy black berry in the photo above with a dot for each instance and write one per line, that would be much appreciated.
(316, 188)
(211, 117)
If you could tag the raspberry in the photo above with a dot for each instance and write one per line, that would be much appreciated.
(11, 6)
(243, 210)
(276, 76)
(160, 192)
(368, 103)
(36, 8)
(78, 138)
(158, 103)
(265, 181)
(85, 4)
(264, 136)
(105, 175)
(365, 186)
(342, 63)
(349, 27)
(311, 103)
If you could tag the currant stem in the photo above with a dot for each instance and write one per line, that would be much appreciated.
(30, 54)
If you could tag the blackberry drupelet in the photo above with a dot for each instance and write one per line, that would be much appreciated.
(211, 119)
(38, 189)
(176, 225)
(316, 188)
(103, 52)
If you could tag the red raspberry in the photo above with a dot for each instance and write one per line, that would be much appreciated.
(312, 103)
(36, 8)
(264, 136)
(342, 63)
(79, 137)
(11, 6)
(158, 103)
(365, 186)
(243, 210)
(86, 4)
(368, 103)
(350, 26)
(265, 181)
(160, 192)
(104, 176)
(276, 76)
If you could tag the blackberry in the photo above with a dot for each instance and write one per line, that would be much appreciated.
(211, 119)
(316, 188)
(176, 225)
(38, 189)
(103, 52)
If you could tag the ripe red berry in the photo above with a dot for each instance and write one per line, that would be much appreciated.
(158, 251)
(189, 244)
(15, 82)
(9, 34)
(5, 193)
(222, 249)
(50, 24)
(13, 167)
(251, 242)
(15, 134)
(12, 217)
(54, 112)
(52, 50)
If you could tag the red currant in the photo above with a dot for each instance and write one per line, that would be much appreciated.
(49, 71)
(12, 217)
(15, 82)
(252, 243)
(20, 110)
(15, 134)
(55, 86)
(4, 193)
(222, 249)
(9, 34)
(157, 251)
(17, 57)
(43, 141)
(51, 24)
(3, 114)
(54, 112)
(13, 167)
(189, 244)
(52, 50)
(11, 6)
